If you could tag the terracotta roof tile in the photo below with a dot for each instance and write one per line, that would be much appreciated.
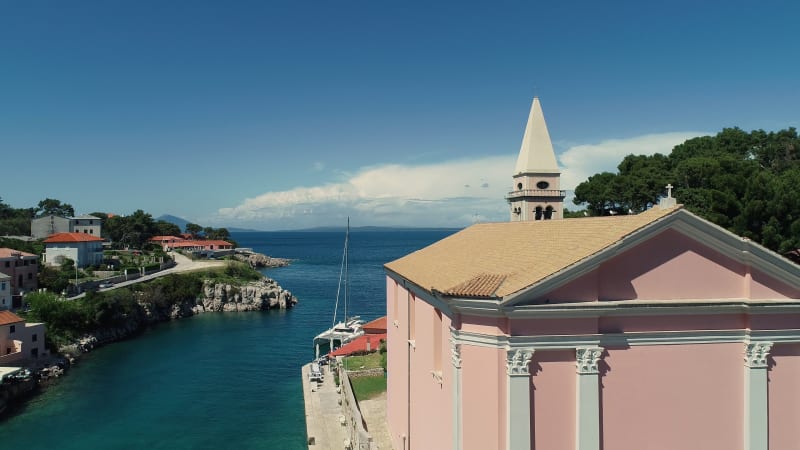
(482, 285)
(376, 326)
(498, 259)
(8, 318)
(71, 237)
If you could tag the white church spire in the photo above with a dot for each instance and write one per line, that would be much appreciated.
(536, 154)
(536, 193)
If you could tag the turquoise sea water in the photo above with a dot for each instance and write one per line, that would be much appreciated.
(221, 380)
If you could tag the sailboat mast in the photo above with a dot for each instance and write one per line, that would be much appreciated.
(346, 278)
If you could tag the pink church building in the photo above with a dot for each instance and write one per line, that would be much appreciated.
(653, 331)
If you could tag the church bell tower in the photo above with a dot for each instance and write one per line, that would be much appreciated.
(536, 193)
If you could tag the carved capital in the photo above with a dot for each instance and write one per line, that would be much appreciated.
(455, 353)
(755, 354)
(517, 361)
(586, 359)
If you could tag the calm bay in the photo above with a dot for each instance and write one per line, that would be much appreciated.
(217, 380)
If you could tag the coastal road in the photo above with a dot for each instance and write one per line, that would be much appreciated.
(182, 264)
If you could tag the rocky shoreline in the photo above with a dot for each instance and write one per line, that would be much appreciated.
(258, 295)
(259, 260)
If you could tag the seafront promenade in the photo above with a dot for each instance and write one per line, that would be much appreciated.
(326, 419)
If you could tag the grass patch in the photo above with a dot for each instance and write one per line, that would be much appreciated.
(361, 362)
(367, 387)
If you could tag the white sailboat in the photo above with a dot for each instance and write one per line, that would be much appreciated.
(347, 329)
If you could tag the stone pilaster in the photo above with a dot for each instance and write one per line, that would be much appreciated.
(756, 406)
(587, 413)
(518, 413)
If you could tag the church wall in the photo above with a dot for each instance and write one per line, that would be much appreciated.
(431, 398)
(420, 377)
(397, 362)
(670, 266)
(538, 327)
(494, 326)
(764, 287)
(483, 397)
(784, 396)
(667, 397)
(553, 400)
(632, 324)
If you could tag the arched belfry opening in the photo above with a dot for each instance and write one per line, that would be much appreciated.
(537, 193)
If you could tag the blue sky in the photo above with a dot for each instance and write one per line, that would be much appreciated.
(279, 115)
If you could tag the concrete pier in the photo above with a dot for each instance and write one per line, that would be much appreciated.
(325, 423)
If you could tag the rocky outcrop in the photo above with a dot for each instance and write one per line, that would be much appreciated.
(253, 296)
(258, 260)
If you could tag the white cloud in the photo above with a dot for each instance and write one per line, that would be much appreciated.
(447, 194)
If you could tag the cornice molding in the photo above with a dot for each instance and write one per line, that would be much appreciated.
(654, 307)
(565, 342)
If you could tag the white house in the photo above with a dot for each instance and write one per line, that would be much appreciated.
(85, 249)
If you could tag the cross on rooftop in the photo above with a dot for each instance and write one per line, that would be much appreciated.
(669, 190)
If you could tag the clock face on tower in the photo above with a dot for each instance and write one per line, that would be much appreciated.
(542, 185)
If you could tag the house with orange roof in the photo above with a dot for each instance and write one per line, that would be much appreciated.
(19, 340)
(23, 269)
(85, 249)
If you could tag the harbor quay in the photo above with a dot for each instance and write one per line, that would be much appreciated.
(334, 420)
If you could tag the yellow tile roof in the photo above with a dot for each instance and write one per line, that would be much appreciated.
(498, 259)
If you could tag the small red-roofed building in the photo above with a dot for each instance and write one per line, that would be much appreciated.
(191, 245)
(364, 343)
(85, 249)
(377, 326)
(22, 268)
(20, 340)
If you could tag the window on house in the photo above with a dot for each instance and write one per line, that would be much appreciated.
(539, 212)
(30, 275)
(2, 286)
(548, 213)
(34, 337)
(8, 263)
(11, 329)
(91, 231)
(34, 353)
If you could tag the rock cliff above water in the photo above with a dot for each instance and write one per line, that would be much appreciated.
(257, 295)
(258, 260)
(253, 296)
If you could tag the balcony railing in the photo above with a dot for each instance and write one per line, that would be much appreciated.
(536, 193)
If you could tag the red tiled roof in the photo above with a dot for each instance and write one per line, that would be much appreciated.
(377, 326)
(71, 237)
(7, 318)
(360, 344)
(9, 252)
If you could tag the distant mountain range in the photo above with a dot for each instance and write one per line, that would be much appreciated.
(182, 224)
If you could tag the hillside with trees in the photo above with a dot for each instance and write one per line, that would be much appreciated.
(745, 182)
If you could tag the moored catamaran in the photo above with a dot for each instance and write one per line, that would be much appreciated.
(347, 329)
